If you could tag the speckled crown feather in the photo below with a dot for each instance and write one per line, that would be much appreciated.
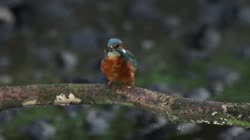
(114, 41)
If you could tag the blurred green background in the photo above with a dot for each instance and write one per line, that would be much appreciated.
(196, 49)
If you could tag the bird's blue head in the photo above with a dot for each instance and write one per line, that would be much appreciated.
(114, 42)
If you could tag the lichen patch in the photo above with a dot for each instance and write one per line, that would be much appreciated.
(63, 100)
(29, 102)
(214, 113)
(224, 107)
(202, 121)
(220, 122)
(217, 123)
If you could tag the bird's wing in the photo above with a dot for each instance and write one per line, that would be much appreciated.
(132, 58)
(128, 56)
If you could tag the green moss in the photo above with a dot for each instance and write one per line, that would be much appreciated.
(239, 123)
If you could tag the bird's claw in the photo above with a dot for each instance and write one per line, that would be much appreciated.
(109, 85)
(124, 86)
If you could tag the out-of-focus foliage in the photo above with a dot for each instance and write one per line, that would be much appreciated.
(198, 49)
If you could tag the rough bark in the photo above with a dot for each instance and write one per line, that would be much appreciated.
(176, 109)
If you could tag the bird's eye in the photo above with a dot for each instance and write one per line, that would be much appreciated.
(116, 46)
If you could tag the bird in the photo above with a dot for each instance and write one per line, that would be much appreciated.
(118, 64)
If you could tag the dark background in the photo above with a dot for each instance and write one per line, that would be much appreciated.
(197, 48)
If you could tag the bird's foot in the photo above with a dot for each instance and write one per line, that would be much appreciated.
(124, 86)
(109, 85)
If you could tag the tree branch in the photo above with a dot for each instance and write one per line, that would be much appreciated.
(176, 109)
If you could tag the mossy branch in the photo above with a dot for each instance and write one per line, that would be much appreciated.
(177, 109)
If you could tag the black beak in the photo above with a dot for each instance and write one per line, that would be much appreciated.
(109, 49)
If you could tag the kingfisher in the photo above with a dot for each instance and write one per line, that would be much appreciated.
(118, 64)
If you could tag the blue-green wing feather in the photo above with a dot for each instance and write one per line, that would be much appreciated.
(132, 58)
(128, 56)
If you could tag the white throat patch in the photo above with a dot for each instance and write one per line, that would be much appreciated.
(115, 53)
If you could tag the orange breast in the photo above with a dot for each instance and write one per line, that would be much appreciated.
(117, 70)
